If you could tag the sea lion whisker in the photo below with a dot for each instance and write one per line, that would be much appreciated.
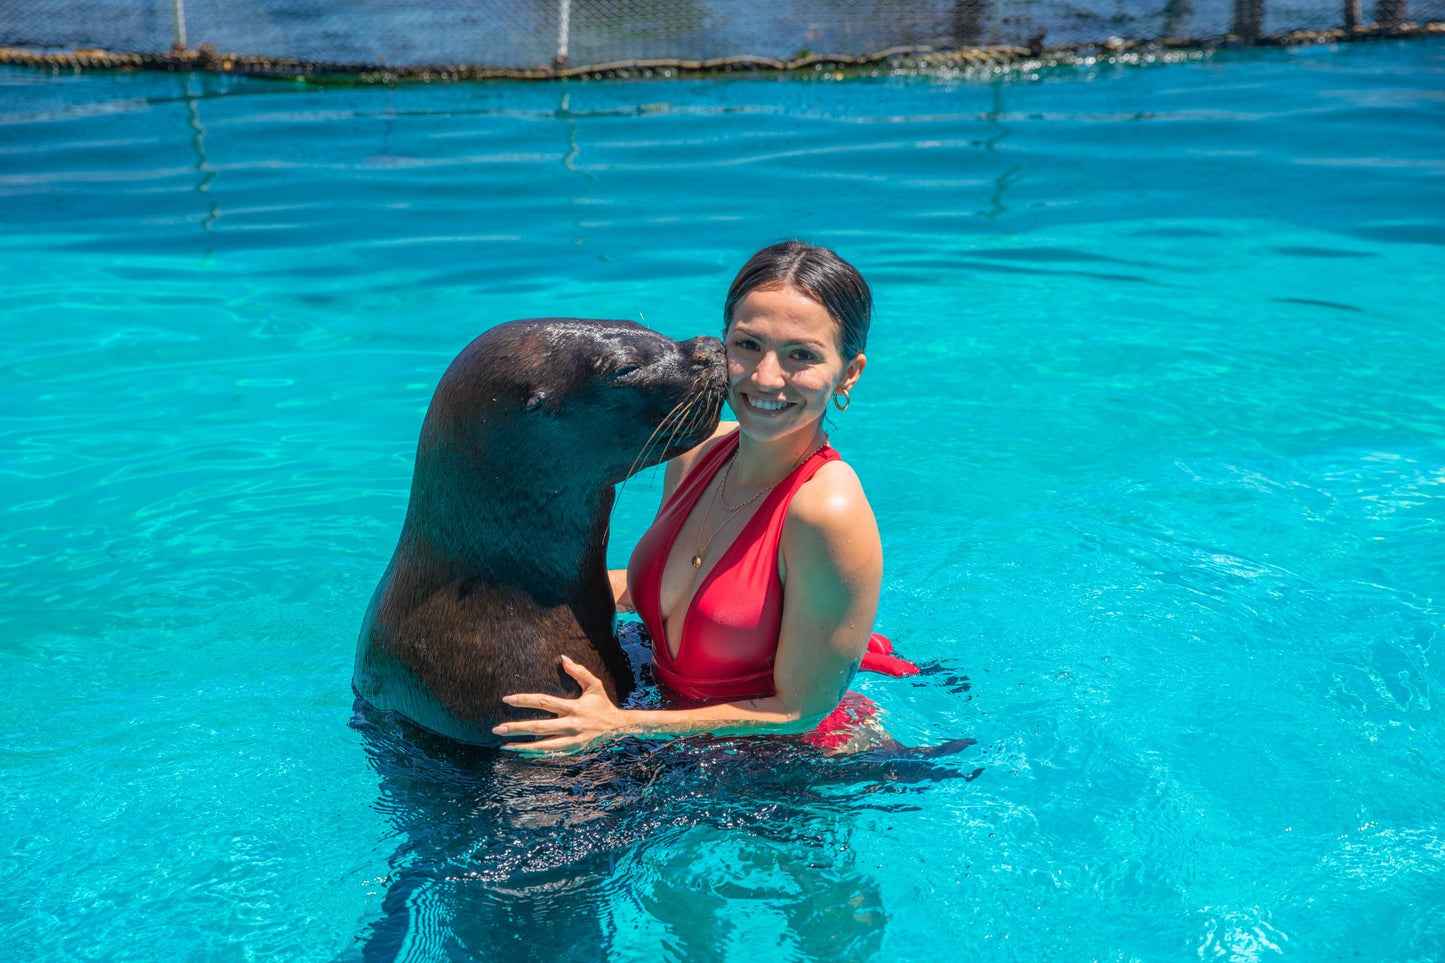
(713, 395)
(684, 418)
(669, 427)
(695, 414)
(689, 420)
(641, 455)
(672, 424)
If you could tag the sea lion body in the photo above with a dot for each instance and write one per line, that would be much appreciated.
(500, 568)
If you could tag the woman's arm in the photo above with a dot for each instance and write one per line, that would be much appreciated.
(832, 576)
(592, 718)
(618, 578)
(833, 569)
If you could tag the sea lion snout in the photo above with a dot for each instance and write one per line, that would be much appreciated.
(707, 354)
(709, 362)
(681, 387)
(697, 362)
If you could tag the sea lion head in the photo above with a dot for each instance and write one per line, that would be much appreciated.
(549, 402)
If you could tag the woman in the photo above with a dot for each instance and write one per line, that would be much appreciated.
(758, 580)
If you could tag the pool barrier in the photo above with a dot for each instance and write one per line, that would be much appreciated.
(914, 59)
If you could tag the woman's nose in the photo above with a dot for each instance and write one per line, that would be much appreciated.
(768, 373)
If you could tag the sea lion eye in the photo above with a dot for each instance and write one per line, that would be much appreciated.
(535, 402)
(623, 371)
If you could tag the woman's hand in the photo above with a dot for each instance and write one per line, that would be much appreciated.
(580, 722)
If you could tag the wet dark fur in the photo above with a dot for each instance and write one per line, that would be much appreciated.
(501, 564)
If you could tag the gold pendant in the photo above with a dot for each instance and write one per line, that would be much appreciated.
(697, 561)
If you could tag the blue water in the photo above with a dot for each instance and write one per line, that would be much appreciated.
(1153, 425)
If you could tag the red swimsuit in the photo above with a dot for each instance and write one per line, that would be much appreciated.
(730, 632)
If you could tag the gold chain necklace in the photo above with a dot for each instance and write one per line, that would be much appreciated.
(702, 527)
(717, 496)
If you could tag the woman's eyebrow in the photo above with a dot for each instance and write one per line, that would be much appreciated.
(739, 329)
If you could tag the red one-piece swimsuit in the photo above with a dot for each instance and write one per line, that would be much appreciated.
(730, 633)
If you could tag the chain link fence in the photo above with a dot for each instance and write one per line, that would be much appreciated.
(547, 34)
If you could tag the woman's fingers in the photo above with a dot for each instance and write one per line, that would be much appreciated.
(579, 722)
(536, 700)
(536, 727)
(585, 678)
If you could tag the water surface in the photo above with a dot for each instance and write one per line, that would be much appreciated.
(1153, 424)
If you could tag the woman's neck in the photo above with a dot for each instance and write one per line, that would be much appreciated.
(761, 464)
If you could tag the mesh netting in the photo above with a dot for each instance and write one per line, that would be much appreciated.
(523, 34)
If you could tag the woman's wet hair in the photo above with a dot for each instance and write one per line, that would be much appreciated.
(818, 273)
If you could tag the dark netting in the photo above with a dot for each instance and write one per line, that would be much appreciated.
(546, 34)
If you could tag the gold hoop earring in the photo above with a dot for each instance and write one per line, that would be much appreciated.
(842, 393)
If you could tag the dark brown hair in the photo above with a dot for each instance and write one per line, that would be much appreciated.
(818, 273)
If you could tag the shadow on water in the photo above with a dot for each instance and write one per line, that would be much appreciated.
(498, 856)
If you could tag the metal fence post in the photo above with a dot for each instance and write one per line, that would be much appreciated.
(178, 14)
(564, 31)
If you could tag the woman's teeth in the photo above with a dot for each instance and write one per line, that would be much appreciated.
(761, 405)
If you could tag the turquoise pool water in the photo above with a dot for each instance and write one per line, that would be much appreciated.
(1154, 427)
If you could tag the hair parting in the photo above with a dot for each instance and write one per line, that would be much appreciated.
(818, 273)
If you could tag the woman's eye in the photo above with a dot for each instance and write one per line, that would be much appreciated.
(807, 356)
(747, 344)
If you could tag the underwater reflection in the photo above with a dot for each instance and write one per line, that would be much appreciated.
(547, 859)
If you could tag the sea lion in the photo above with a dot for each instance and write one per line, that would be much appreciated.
(501, 564)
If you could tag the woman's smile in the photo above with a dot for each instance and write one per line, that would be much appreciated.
(763, 405)
(783, 362)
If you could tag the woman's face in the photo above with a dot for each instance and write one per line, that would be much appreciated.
(783, 362)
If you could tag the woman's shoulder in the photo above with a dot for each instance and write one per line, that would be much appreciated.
(830, 528)
(832, 500)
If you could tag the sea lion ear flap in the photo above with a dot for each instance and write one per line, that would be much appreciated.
(535, 402)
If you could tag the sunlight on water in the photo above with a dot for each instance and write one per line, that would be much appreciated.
(1153, 424)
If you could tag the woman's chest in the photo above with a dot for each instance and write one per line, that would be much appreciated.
(720, 593)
